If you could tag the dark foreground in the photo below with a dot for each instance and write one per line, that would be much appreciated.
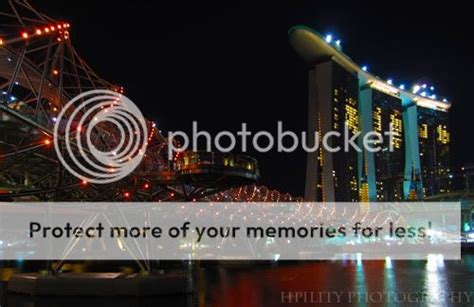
(435, 282)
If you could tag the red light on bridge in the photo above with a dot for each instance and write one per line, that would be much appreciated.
(127, 194)
(55, 72)
(84, 182)
(52, 28)
(25, 35)
(47, 142)
(146, 186)
(46, 30)
(38, 32)
(1, 41)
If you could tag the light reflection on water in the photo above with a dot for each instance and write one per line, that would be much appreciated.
(259, 284)
(435, 281)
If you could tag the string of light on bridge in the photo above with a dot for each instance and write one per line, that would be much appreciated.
(60, 28)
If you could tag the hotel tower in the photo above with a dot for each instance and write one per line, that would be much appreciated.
(341, 93)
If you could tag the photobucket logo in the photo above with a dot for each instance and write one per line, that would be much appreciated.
(100, 136)
(265, 141)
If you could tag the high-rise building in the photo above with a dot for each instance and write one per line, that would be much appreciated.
(334, 105)
(413, 166)
(434, 139)
(382, 111)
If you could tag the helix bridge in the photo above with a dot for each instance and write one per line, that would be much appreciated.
(40, 72)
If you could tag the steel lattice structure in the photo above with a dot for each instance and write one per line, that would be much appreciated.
(40, 71)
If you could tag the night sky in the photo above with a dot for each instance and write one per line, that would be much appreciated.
(227, 63)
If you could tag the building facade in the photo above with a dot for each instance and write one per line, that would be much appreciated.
(333, 106)
(385, 168)
(434, 139)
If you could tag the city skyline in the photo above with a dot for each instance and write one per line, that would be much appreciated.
(235, 153)
(251, 64)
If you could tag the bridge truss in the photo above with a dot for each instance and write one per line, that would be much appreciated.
(40, 71)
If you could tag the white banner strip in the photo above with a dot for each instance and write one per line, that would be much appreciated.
(224, 231)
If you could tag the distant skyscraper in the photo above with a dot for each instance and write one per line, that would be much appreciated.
(341, 92)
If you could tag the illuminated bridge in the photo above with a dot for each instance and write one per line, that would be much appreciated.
(40, 71)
